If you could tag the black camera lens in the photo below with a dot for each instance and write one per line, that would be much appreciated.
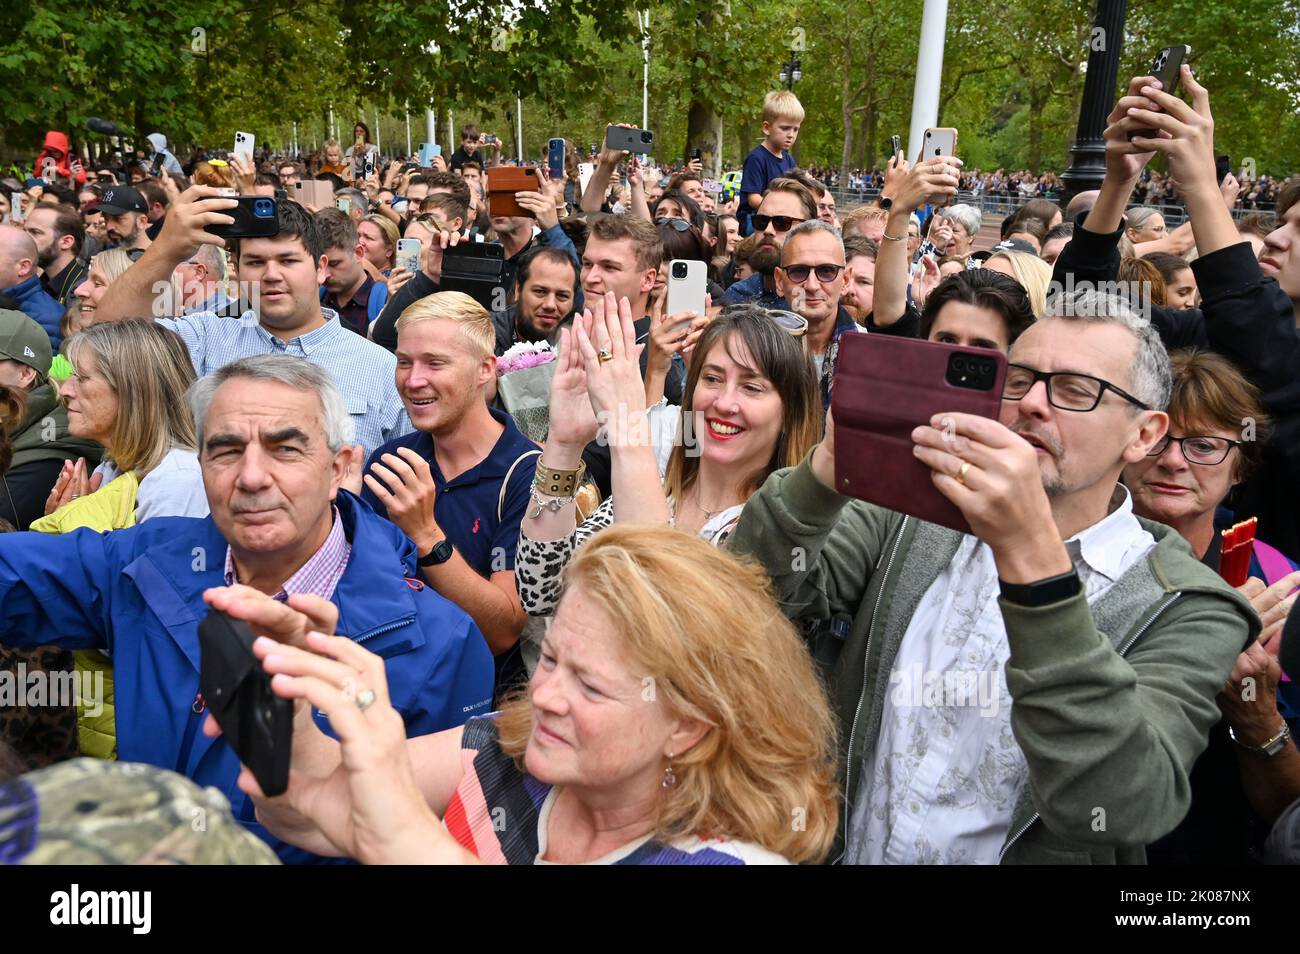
(646, 136)
(679, 269)
(958, 363)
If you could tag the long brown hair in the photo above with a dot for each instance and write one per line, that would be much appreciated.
(779, 358)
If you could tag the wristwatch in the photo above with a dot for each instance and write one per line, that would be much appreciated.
(1042, 592)
(439, 555)
(1269, 748)
(886, 203)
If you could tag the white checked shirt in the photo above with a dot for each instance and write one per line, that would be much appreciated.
(361, 370)
(947, 773)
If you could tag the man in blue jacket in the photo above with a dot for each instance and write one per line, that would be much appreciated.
(21, 282)
(275, 445)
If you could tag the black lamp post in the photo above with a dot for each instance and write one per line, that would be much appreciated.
(1088, 154)
(791, 70)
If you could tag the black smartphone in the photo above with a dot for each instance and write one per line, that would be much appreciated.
(256, 722)
(479, 270)
(895, 147)
(1168, 68)
(256, 216)
(631, 139)
(1222, 166)
(697, 155)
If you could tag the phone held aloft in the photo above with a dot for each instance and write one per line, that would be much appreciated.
(1167, 68)
(936, 142)
(629, 139)
(256, 216)
(884, 388)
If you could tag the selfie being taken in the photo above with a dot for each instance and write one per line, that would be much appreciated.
(759, 434)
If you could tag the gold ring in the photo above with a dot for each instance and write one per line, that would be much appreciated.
(604, 354)
(961, 472)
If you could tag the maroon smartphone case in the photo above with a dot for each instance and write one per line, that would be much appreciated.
(884, 388)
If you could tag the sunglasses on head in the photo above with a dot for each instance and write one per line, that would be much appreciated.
(788, 321)
(782, 223)
(679, 225)
(799, 273)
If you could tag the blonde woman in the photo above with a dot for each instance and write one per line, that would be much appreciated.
(1033, 274)
(105, 268)
(378, 239)
(676, 718)
(127, 392)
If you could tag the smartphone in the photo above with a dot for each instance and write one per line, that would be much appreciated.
(428, 151)
(1168, 68)
(555, 158)
(939, 141)
(896, 147)
(489, 139)
(343, 203)
(16, 213)
(256, 216)
(408, 254)
(504, 182)
(318, 193)
(1222, 167)
(478, 269)
(369, 164)
(244, 146)
(256, 722)
(884, 387)
(632, 140)
(697, 155)
(687, 286)
(711, 185)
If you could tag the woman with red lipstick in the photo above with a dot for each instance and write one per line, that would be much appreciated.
(1182, 483)
(751, 407)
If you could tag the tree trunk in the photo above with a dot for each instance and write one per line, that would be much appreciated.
(846, 116)
(704, 132)
(871, 127)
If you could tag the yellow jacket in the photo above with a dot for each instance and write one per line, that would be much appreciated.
(112, 507)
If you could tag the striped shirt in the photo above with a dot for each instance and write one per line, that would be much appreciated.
(318, 576)
(363, 372)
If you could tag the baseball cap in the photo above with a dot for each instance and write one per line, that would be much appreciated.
(120, 199)
(24, 341)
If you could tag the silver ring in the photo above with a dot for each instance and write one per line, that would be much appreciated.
(74, 496)
(365, 699)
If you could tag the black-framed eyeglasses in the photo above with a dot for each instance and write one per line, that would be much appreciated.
(1198, 449)
(782, 223)
(1066, 390)
(799, 273)
(679, 225)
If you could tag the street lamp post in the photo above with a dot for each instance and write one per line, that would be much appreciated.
(791, 70)
(1088, 154)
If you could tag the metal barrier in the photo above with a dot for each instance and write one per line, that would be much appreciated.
(996, 204)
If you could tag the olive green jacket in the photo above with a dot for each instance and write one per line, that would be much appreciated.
(1111, 704)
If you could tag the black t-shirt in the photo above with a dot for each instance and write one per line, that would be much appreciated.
(459, 157)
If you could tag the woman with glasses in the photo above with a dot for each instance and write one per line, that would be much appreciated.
(751, 407)
(677, 205)
(1183, 483)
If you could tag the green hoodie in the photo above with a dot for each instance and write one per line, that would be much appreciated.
(1111, 705)
(43, 434)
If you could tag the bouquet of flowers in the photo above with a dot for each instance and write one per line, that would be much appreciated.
(524, 386)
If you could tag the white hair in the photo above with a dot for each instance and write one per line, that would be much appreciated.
(298, 373)
(967, 216)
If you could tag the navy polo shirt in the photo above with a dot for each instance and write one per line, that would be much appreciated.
(466, 508)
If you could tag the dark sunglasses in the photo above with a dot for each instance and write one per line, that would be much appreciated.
(782, 223)
(799, 273)
(679, 225)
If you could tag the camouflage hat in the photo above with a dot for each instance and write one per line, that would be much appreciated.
(89, 811)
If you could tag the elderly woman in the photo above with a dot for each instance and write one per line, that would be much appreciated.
(127, 393)
(675, 719)
(1237, 789)
(964, 221)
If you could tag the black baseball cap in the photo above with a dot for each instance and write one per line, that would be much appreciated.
(120, 199)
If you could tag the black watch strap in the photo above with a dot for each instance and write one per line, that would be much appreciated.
(440, 554)
(1042, 592)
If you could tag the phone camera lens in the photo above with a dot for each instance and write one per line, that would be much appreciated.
(679, 270)
(645, 137)
(959, 364)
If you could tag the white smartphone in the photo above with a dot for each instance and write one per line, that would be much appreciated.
(244, 146)
(939, 141)
(408, 254)
(16, 207)
(687, 286)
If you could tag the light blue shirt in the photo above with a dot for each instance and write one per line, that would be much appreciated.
(361, 370)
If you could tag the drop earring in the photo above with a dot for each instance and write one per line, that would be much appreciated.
(669, 779)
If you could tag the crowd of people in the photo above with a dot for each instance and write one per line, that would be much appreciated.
(554, 573)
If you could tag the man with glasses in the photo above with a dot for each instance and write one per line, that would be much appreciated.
(1038, 690)
(785, 204)
(290, 176)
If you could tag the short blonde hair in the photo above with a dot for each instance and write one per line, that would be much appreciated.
(1033, 274)
(475, 323)
(708, 630)
(782, 104)
(149, 369)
